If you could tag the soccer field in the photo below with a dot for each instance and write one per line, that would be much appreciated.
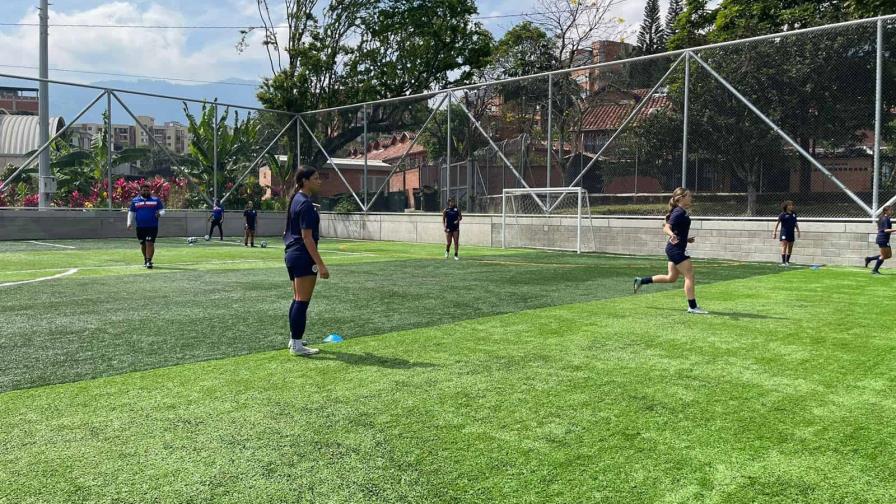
(509, 376)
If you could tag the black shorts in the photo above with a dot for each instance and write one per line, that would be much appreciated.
(788, 238)
(676, 255)
(147, 234)
(452, 229)
(299, 264)
(883, 243)
(250, 227)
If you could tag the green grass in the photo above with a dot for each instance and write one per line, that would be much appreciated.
(510, 376)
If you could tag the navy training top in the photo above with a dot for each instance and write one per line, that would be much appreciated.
(302, 215)
(680, 223)
(788, 223)
(251, 216)
(452, 217)
(882, 224)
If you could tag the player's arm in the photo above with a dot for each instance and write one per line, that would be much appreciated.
(460, 216)
(161, 210)
(444, 219)
(667, 230)
(775, 232)
(797, 227)
(131, 214)
(308, 238)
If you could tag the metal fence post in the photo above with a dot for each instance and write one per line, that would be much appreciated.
(215, 149)
(878, 106)
(684, 138)
(110, 139)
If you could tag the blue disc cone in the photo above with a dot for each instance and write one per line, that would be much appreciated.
(333, 338)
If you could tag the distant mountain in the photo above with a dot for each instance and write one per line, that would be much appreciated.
(66, 101)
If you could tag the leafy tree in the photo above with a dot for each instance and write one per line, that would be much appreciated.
(675, 9)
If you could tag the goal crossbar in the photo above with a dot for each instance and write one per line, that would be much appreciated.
(580, 193)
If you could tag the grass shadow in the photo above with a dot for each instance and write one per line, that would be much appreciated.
(369, 359)
(731, 315)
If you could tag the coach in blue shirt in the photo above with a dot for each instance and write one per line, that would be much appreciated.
(146, 210)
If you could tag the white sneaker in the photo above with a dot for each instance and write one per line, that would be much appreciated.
(446, 255)
(289, 343)
(698, 311)
(300, 350)
(456, 258)
(782, 265)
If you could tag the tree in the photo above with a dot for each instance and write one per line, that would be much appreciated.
(692, 25)
(363, 50)
(575, 25)
(675, 10)
(651, 36)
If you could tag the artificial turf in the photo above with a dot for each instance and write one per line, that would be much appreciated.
(479, 381)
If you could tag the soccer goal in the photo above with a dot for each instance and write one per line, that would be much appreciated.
(545, 218)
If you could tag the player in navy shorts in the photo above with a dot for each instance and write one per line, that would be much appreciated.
(451, 218)
(677, 227)
(146, 210)
(303, 262)
(251, 219)
(884, 230)
(790, 229)
(216, 218)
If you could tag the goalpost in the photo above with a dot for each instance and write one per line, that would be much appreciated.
(544, 218)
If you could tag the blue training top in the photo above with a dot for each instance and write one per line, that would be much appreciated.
(217, 213)
(680, 223)
(882, 224)
(146, 210)
(302, 215)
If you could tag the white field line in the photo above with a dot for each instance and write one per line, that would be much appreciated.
(67, 273)
(51, 244)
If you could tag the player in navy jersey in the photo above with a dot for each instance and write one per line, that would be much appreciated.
(451, 218)
(303, 262)
(790, 229)
(884, 230)
(251, 218)
(146, 210)
(677, 228)
(216, 218)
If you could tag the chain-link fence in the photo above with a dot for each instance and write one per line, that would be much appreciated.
(802, 116)
(104, 143)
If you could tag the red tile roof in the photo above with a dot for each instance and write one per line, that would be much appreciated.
(610, 116)
(390, 149)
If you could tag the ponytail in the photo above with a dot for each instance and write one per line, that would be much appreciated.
(677, 196)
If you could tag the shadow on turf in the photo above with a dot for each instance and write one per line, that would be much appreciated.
(731, 315)
(369, 359)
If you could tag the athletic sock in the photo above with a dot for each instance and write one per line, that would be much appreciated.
(788, 259)
(297, 317)
(878, 264)
(783, 258)
(692, 303)
(647, 280)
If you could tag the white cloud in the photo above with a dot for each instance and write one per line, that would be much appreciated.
(175, 53)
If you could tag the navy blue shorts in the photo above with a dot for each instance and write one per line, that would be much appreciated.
(147, 234)
(250, 227)
(452, 229)
(788, 238)
(300, 264)
(883, 243)
(676, 255)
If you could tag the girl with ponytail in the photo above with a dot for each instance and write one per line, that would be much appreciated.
(303, 262)
(677, 227)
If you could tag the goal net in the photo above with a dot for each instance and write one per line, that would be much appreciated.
(545, 218)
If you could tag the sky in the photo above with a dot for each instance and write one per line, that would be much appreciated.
(190, 54)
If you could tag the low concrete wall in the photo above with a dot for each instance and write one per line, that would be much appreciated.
(823, 242)
(74, 224)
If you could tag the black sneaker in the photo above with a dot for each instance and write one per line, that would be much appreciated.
(868, 261)
(636, 285)
(149, 265)
(875, 272)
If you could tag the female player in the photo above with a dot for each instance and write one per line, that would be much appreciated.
(251, 218)
(216, 217)
(677, 227)
(884, 230)
(788, 223)
(303, 262)
(451, 218)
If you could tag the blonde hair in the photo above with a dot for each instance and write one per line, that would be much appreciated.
(677, 195)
